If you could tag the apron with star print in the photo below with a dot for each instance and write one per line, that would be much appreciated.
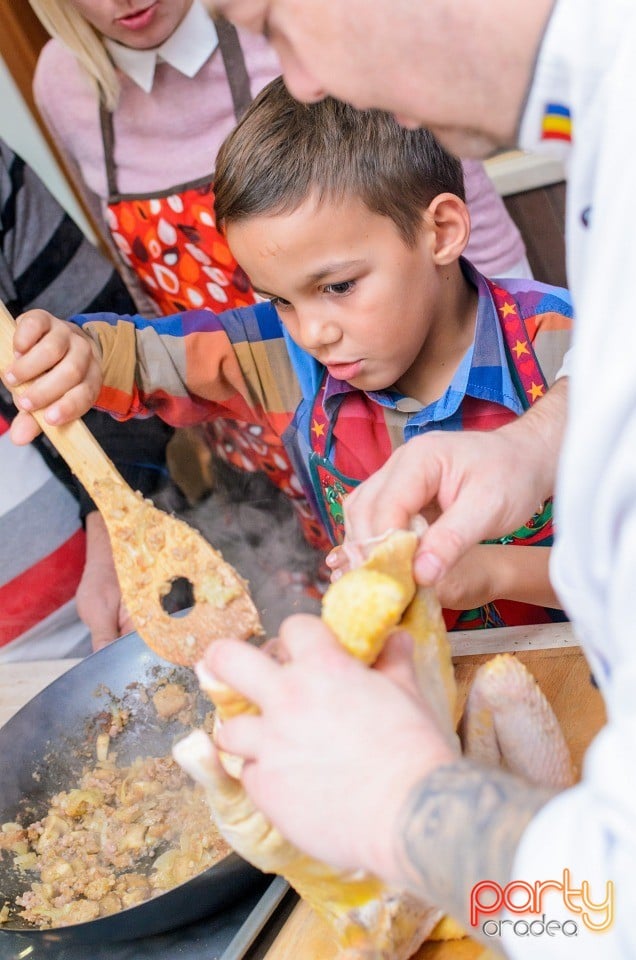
(183, 262)
(330, 485)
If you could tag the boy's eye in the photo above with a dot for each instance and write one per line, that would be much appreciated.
(344, 286)
(279, 303)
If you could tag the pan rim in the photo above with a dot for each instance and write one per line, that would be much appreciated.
(225, 881)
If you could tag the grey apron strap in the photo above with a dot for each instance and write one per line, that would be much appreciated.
(239, 82)
(237, 75)
(108, 139)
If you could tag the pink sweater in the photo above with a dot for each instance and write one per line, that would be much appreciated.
(162, 138)
(495, 244)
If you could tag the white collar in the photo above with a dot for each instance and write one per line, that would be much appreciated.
(187, 49)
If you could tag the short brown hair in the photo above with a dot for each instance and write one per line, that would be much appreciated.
(283, 150)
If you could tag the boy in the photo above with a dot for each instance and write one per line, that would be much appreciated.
(374, 329)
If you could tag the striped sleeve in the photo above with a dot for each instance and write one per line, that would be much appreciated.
(42, 540)
(548, 315)
(45, 259)
(196, 365)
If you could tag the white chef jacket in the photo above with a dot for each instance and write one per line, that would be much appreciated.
(587, 64)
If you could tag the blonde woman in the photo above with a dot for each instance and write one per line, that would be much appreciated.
(139, 97)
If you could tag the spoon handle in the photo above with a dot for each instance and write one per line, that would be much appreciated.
(151, 549)
(73, 440)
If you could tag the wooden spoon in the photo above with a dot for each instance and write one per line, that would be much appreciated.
(151, 549)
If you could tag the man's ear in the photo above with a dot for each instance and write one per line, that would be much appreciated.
(449, 220)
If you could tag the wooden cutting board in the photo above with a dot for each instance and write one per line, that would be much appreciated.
(19, 682)
(563, 674)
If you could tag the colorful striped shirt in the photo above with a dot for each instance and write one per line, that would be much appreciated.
(197, 365)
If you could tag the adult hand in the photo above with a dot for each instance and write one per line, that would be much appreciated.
(98, 598)
(337, 746)
(64, 365)
(470, 486)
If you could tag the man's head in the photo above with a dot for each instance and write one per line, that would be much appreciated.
(459, 67)
(350, 223)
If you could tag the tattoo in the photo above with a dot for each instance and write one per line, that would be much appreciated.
(463, 824)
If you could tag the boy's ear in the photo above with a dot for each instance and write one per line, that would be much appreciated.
(449, 219)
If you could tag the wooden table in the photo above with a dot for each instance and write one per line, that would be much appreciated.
(550, 652)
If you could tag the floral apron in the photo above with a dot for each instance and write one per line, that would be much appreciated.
(171, 242)
(330, 486)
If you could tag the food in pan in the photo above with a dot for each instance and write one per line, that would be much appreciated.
(118, 836)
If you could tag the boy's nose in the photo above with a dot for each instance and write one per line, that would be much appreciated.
(317, 332)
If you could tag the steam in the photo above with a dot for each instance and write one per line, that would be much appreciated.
(254, 526)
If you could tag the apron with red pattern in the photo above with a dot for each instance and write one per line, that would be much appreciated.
(330, 485)
(171, 242)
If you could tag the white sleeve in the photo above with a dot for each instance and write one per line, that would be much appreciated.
(586, 836)
(565, 368)
(585, 841)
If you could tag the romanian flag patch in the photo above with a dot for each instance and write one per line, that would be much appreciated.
(557, 123)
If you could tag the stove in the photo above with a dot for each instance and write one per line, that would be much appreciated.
(206, 939)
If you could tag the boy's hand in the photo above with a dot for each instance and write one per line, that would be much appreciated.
(473, 580)
(64, 366)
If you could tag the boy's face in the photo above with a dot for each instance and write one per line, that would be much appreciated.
(347, 287)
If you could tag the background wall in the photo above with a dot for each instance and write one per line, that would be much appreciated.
(21, 131)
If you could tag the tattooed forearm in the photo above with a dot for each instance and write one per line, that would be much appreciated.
(462, 824)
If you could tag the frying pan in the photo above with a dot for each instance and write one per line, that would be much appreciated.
(42, 751)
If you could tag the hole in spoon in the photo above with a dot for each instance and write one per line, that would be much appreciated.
(179, 597)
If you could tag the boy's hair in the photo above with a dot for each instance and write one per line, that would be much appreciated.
(282, 151)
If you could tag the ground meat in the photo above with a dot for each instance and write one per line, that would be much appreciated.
(171, 699)
(85, 851)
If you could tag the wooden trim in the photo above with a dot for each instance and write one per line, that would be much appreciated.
(21, 39)
(540, 216)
